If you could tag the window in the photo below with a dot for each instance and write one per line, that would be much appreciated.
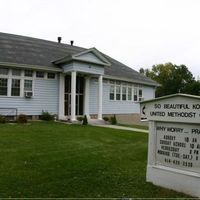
(112, 92)
(135, 94)
(118, 92)
(140, 95)
(28, 85)
(16, 72)
(4, 71)
(28, 73)
(129, 93)
(124, 93)
(3, 86)
(39, 74)
(15, 89)
(51, 76)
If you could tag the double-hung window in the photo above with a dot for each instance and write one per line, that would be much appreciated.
(28, 85)
(140, 94)
(124, 93)
(15, 89)
(135, 96)
(3, 86)
(129, 93)
(112, 92)
(118, 92)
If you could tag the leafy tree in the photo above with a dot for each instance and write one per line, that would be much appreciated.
(173, 79)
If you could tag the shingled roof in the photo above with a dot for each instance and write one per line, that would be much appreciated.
(31, 51)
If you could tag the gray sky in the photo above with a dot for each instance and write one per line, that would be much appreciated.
(139, 33)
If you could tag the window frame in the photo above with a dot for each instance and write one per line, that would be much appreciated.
(2, 95)
(51, 73)
(112, 85)
(40, 72)
(22, 79)
(25, 89)
(122, 92)
(28, 70)
(12, 87)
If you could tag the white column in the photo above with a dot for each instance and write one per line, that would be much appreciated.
(61, 96)
(87, 97)
(73, 96)
(100, 96)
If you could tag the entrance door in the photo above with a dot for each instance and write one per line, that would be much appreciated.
(79, 95)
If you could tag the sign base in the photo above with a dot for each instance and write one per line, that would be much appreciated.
(175, 179)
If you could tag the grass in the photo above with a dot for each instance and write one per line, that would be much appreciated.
(135, 126)
(45, 159)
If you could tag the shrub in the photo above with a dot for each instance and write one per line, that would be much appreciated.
(2, 119)
(106, 119)
(22, 119)
(47, 116)
(85, 121)
(113, 120)
(80, 119)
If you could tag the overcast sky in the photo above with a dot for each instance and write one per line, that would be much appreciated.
(139, 33)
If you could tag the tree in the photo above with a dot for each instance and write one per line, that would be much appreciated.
(173, 79)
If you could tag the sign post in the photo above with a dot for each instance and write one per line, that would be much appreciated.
(174, 142)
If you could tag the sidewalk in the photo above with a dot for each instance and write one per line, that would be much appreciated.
(122, 128)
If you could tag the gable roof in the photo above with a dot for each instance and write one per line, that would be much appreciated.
(15, 49)
(101, 60)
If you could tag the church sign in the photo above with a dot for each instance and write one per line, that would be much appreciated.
(174, 142)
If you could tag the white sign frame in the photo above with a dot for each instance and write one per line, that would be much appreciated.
(178, 179)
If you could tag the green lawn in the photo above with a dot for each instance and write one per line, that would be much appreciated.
(56, 160)
(135, 126)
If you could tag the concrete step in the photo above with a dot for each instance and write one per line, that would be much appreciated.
(96, 122)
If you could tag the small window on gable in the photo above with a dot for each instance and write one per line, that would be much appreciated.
(40, 74)
(16, 72)
(51, 75)
(3, 71)
(28, 73)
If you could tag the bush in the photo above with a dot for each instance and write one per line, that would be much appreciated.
(85, 121)
(106, 119)
(113, 120)
(47, 116)
(2, 119)
(80, 119)
(22, 119)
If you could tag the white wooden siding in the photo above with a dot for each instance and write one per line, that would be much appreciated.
(45, 98)
(115, 107)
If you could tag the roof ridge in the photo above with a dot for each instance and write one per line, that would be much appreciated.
(42, 40)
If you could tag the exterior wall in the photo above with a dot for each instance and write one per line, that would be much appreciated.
(148, 92)
(45, 98)
(115, 107)
(129, 119)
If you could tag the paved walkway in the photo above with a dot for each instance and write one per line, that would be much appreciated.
(123, 128)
